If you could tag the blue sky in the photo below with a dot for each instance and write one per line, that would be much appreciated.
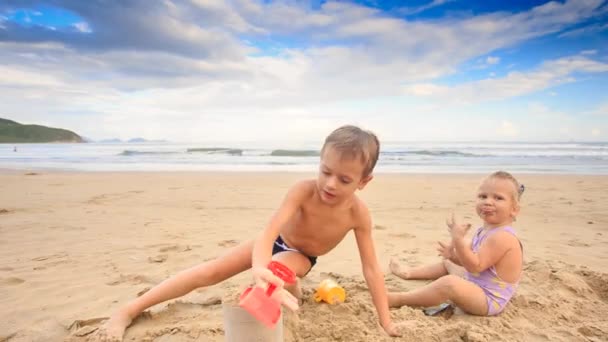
(194, 70)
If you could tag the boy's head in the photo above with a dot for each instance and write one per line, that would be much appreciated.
(348, 158)
(498, 198)
(351, 142)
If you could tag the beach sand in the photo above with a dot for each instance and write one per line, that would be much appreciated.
(76, 246)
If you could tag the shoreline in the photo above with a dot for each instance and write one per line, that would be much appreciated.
(295, 172)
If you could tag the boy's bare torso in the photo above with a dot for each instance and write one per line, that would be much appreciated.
(317, 228)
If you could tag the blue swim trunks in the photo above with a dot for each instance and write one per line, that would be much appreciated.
(280, 246)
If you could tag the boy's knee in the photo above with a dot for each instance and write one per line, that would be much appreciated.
(296, 261)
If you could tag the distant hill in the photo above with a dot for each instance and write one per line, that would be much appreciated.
(14, 132)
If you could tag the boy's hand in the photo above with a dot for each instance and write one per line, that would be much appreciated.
(457, 230)
(391, 329)
(445, 249)
(263, 277)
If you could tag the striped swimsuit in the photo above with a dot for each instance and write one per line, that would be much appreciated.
(498, 292)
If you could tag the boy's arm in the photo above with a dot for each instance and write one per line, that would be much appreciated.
(372, 272)
(262, 249)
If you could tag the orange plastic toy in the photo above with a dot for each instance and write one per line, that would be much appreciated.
(259, 303)
(330, 292)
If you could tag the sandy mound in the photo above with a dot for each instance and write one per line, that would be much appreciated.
(555, 302)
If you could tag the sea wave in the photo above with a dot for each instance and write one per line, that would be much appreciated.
(139, 153)
(294, 153)
(216, 150)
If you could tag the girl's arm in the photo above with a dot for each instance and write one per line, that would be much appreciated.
(490, 252)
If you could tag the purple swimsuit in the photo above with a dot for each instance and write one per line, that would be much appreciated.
(498, 292)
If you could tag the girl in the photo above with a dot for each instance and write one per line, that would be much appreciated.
(492, 261)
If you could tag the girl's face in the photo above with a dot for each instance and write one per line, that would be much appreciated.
(496, 204)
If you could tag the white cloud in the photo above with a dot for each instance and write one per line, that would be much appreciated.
(516, 83)
(83, 27)
(507, 129)
(587, 30)
(600, 111)
(588, 52)
(492, 60)
(596, 132)
(203, 82)
(419, 9)
(11, 77)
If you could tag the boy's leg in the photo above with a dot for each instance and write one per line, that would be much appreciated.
(234, 261)
(433, 271)
(299, 264)
(463, 293)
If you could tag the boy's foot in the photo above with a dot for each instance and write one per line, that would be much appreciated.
(395, 268)
(114, 328)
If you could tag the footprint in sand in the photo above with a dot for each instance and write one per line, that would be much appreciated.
(411, 251)
(132, 279)
(101, 199)
(403, 235)
(158, 258)
(598, 282)
(592, 331)
(11, 281)
(175, 248)
(577, 243)
(82, 328)
(4, 211)
(227, 243)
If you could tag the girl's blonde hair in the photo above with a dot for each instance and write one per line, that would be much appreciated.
(518, 188)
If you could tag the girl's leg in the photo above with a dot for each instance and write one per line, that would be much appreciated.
(425, 272)
(453, 268)
(463, 293)
(234, 261)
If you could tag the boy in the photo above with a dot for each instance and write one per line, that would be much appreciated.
(312, 219)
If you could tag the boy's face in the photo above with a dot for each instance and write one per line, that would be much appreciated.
(496, 205)
(339, 176)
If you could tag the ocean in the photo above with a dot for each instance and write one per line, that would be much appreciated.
(395, 157)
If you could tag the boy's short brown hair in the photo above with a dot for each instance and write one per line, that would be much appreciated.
(352, 141)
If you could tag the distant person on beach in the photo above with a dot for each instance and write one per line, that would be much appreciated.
(315, 215)
(15, 149)
(478, 276)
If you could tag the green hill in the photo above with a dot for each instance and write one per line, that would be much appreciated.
(14, 132)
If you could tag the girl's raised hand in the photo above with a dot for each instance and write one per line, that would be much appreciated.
(445, 249)
(457, 229)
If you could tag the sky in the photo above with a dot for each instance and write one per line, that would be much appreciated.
(292, 71)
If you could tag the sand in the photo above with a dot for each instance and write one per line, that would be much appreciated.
(75, 246)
